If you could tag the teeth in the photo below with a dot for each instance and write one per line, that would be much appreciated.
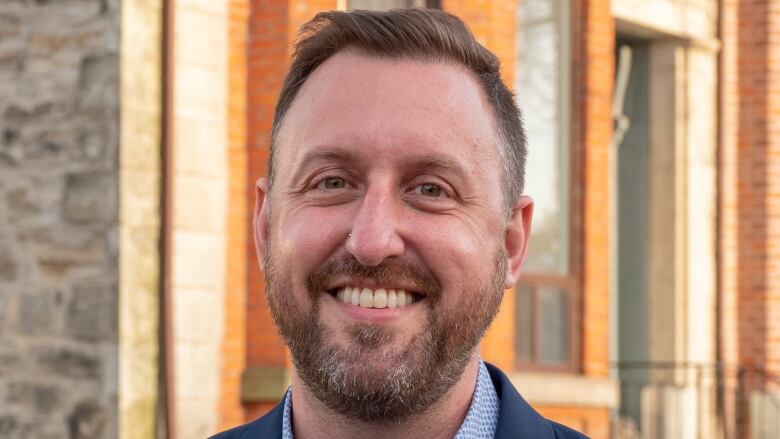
(367, 298)
(401, 297)
(355, 296)
(379, 298)
(392, 299)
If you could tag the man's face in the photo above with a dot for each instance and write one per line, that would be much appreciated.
(386, 180)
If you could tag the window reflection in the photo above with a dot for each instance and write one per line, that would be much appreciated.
(542, 86)
(553, 327)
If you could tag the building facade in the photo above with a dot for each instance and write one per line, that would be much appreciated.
(132, 134)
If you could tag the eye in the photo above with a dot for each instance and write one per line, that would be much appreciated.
(332, 183)
(430, 190)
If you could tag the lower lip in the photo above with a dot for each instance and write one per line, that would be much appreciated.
(373, 315)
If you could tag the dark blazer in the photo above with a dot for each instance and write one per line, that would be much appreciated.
(516, 420)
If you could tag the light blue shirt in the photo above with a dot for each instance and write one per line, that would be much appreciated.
(480, 422)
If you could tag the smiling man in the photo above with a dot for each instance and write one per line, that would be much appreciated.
(390, 224)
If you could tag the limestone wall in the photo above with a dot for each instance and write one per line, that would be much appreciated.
(59, 113)
(140, 186)
(199, 230)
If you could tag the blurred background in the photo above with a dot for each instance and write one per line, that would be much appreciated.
(132, 132)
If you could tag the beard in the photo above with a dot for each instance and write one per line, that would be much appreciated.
(367, 380)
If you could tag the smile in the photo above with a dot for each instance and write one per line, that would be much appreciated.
(376, 298)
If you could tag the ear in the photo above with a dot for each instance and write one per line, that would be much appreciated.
(260, 220)
(518, 230)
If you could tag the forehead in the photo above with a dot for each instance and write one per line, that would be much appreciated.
(389, 107)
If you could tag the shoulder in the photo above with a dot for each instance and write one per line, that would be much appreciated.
(233, 433)
(564, 432)
(268, 426)
(518, 419)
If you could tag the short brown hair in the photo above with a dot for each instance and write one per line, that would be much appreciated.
(420, 34)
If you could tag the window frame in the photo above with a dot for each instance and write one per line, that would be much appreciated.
(569, 283)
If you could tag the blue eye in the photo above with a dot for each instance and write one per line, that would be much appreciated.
(332, 183)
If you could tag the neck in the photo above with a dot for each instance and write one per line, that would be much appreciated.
(313, 420)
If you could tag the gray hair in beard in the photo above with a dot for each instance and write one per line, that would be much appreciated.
(344, 379)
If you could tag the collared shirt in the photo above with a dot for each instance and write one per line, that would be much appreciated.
(480, 422)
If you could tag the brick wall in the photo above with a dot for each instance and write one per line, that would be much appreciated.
(750, 184)
(593, 70)
(231, 412)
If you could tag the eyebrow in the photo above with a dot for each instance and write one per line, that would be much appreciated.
(347, 156)
(327, 154)
(434, 162)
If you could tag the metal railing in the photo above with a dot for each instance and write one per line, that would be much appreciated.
(696, 400)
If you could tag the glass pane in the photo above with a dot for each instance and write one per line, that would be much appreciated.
(553, 325)
(524, 315)
(542, 86)
(379, 5)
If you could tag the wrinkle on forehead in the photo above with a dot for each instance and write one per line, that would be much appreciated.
(365, 101)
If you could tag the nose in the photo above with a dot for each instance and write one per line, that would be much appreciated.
(374, 236)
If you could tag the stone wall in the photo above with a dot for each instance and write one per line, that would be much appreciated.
(199, 212)
(140, 169)
(59, 112)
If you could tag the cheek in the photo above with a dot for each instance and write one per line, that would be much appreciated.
(310, 236)
(459, 256)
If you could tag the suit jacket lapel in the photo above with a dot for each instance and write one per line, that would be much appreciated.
(269, 426)
(516, 419)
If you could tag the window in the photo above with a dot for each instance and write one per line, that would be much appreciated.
(546, 297)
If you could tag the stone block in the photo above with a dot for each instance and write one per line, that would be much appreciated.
(199, 260)
(140, 198)
(197, 371)
(99, 81)
(33, 199)
(67, 362)
(140, 138)
(139, 261)
(40, 313)
(198, 47)
(206, 91)
(51, 136)
(40, 397)
(91, 198)
(206, 149)
(10, 426)
(201, 204)
(11, 361)
(197, 316)
(9, 267)
(58, 251)
(92, 314)
(87, 420)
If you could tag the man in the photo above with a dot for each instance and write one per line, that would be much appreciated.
(389, 226)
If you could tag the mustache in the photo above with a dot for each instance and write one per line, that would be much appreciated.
(388, 272)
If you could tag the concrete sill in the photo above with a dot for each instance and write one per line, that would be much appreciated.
(557, 389)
